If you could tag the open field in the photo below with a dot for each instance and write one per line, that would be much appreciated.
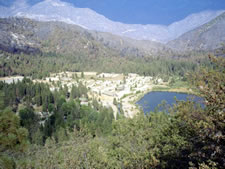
(11, 79)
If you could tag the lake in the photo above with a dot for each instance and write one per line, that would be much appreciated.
(151, 100)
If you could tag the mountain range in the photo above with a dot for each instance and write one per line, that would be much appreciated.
(209, 36)
(29, 36)
(50, 44)
(51, 10)
(79, 29)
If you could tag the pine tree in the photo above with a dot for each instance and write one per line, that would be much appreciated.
(13, 138)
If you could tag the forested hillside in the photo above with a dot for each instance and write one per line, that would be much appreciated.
(35, 49)
(38, 66)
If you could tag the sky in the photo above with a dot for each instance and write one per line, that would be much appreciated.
(162, 12)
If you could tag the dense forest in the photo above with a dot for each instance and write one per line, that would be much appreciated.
(39, 66)
(71, 135)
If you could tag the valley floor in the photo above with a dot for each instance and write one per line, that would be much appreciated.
(109, 89)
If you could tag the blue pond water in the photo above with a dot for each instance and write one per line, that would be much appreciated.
(151, 100)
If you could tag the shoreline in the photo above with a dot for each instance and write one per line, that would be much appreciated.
(104, 88)
(183, 90)
(167, 89)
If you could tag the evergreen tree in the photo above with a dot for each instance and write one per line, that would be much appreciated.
(13, 138)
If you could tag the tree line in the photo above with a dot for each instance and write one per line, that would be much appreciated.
(39, 66)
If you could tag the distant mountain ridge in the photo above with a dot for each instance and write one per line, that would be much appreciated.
(56, 10)
(29, 36)
(207, 37)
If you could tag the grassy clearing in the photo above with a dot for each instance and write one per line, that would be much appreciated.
(178, 86)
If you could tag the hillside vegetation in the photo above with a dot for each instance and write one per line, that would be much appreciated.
(89, 137)
(35, 49)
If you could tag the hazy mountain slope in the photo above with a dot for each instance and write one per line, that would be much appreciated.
(29, 36)
(127, 46)
(17, 35)
(25, 35)
(55, 10)
(207, 37)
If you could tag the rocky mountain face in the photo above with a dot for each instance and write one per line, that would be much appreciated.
(207, 37)
(51, 10)
(81, 29)
(28, 36)
(17, 35)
